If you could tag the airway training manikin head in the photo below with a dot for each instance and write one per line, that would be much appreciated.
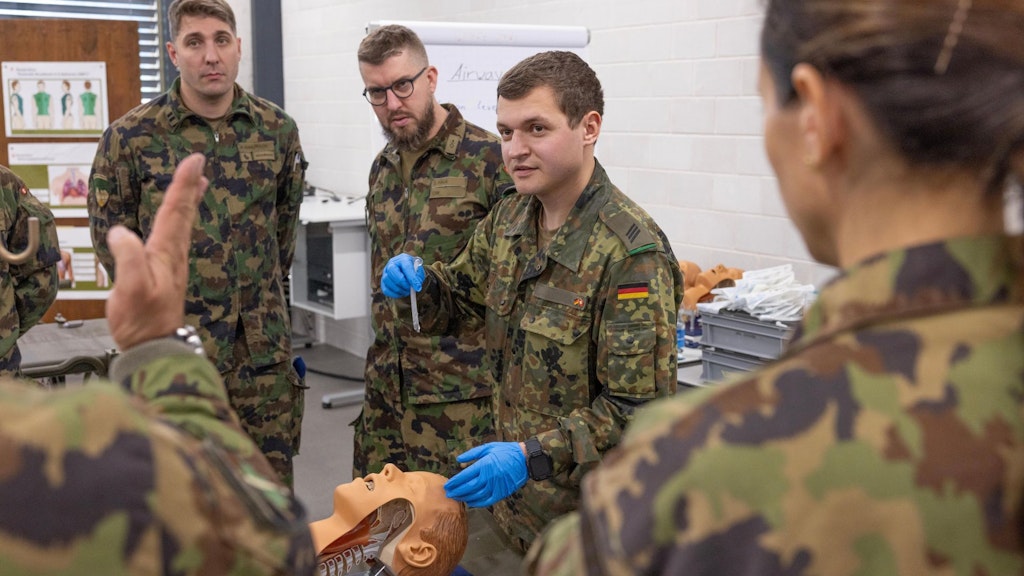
(403, 519)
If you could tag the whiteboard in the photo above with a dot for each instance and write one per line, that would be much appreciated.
(471, 58)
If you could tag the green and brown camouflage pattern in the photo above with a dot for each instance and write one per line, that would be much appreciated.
(889, 439)
(427, 397)
(153, 477)
(242, 242)
(572, 358)
(28, 289)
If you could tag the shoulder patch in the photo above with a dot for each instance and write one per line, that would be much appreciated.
(636, 238)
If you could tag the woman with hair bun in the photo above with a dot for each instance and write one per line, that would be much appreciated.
(889, 438)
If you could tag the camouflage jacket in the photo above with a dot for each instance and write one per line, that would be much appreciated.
(244, 238)
(158, 480)
(456, 181)
(578, 335)
(889, 439)
(28, 289)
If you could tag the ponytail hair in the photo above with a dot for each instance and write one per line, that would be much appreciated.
(942, 80)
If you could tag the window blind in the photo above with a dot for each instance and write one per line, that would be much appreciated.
(146, 12)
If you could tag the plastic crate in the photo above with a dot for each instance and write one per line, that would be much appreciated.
(741, 332)
(718, 365)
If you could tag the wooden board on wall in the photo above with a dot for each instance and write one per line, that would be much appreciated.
(113, 42)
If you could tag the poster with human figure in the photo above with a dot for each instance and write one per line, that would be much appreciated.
(57, 173)
(55, 99)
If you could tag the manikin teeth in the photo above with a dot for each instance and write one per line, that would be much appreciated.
(369, 485)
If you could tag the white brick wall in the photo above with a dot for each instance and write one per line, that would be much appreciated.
(682, 130)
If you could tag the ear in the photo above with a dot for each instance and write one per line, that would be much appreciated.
(432, 78)
(172, 53)
(820, 124)
(417, 553)
(591, 123)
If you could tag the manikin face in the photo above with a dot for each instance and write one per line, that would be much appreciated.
(359, 498)
(545, 156)
(801, 186)
(407, 122)
(207, 54)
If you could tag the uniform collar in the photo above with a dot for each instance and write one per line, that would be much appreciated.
(919, 281)
(571, 239)
(447, 141)
(176, 112)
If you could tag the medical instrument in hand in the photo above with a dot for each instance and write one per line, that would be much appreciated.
(417, 263)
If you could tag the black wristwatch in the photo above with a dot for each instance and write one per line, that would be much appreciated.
(538, 462)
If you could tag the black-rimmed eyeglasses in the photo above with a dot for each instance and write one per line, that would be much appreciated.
(402, 89)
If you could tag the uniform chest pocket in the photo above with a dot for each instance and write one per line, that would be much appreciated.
(557, 323)
(449, 187)
(630, 360)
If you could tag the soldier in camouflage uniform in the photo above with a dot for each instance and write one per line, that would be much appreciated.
(889, 438)
(244, 240)
(427, 397)
(579, 290)
(28, 289)
(155, 476)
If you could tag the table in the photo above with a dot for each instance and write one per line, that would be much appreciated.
(56, 350)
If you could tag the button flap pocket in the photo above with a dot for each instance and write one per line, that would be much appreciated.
(630, 338)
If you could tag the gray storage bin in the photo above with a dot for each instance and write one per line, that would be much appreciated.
(741, 332)
(719, 364)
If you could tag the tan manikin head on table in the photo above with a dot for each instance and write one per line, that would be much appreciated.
(404, 518)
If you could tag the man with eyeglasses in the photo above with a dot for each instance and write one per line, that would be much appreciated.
(428, 398)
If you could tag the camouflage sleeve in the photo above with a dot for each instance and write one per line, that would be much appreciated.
(185, 389)
(457, 290)
(635, 359)
(289, 198)
(169, 498)
(35, 281)
(113, 194)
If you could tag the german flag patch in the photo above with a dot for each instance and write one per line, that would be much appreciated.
(633, 290)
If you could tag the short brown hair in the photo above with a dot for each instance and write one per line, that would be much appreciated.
(450, 536)
(218, 9)
(388, 41)
(576, 87)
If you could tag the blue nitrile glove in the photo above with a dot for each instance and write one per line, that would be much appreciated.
(400, 274)
(499, 470)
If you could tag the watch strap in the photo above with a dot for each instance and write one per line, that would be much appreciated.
(533, 447)
(538, 462)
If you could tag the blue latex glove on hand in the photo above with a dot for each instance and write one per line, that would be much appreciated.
(499, 470)
(400, 274)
